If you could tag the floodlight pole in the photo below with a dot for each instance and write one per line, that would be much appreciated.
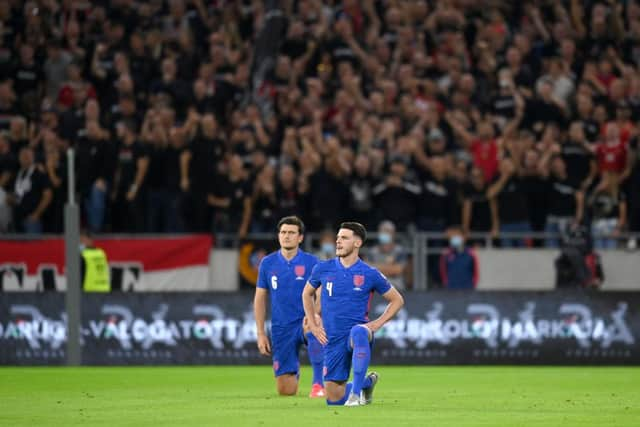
(72, 265)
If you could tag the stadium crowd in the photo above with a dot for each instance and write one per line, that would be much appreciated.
(499, 116)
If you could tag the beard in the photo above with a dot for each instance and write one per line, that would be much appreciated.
(343, 253)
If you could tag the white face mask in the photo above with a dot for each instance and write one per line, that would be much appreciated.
(456, 242)
(328, 248)
(384, 238)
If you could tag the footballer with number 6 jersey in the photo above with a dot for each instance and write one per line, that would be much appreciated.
(348, 284)
(282, 275)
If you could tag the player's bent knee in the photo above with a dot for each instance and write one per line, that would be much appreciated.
(333, 391)
(287, 385)
(287, 391)
(359, 334)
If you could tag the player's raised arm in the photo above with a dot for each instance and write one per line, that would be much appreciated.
(308, 294)
(396, 301)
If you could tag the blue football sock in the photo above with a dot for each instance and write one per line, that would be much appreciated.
(359, 339)
(347, 391)
(316, 357)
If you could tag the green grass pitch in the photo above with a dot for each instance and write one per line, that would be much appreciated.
(245, 396)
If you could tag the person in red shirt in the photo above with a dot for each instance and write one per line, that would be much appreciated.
(611, 154)
(482, 145)
(626, 128)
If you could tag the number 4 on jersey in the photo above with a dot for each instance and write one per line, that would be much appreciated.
(329, 287)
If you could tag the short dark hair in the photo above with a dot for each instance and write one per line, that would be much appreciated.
(357, 228)
(292, 220)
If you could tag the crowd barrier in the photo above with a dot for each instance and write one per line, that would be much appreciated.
(435, 327)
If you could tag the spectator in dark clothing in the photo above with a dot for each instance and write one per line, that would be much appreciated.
(56, 172)
(205, 153)
(170, 88)
(230, 197)
(458, 263)
(95, 165)
(129, 190)
(264, 201)
(578, 157)
(329, 192)
(634, 192)
(7, 103)
(511, 202)
(436, 203)
(28, 81)
(565, 202)
(534, 187)
(172, 159)
(361, 192)
(289, 198)
(396, 196)
(8, 168)
(32, 194)
(479, 211)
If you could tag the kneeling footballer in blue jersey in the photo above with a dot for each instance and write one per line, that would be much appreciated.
(347, 286)
(282, 275)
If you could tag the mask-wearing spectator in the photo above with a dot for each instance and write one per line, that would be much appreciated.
(458, 263)
(327, 244)
(388, 256)
(32, 194)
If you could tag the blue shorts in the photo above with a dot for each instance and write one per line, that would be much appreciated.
(337, 359)
(285, 344)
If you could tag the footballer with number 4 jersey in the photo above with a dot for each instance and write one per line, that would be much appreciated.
(282, 275)
(347, 285)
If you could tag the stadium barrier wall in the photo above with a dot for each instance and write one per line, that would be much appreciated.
(435, 327)
(187, 263)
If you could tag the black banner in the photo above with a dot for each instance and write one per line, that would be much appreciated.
(437, 327)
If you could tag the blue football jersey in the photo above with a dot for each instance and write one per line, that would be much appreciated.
(285, 281)
(346, 294)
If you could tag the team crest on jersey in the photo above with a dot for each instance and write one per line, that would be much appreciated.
(299, 271)
(358, 280)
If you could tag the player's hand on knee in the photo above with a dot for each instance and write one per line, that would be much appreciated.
(372, 327)
(264, 346)
(318, 331)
